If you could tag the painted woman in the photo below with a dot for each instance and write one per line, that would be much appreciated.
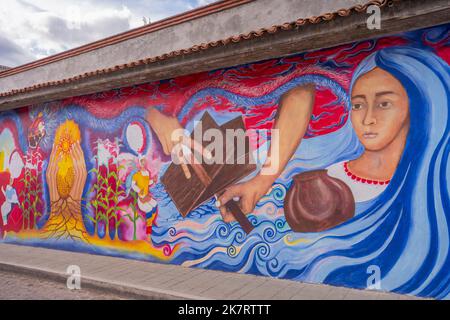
(398, 139)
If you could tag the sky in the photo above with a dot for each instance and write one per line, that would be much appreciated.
(35, 29)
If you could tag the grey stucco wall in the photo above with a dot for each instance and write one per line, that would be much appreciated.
(241, 19)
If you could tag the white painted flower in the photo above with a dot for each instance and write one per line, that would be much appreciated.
(103, 155)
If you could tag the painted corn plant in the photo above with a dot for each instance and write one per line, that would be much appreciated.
(134, 216)
(107, 190)
(31, 195)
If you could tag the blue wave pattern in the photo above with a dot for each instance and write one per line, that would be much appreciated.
(270, 228)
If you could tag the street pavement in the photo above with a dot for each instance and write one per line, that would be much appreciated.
(19, 286)
(104, 277)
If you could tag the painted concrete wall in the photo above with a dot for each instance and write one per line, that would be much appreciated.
(214, 27)
(93, 173)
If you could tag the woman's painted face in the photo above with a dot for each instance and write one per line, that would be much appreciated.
(380, 109)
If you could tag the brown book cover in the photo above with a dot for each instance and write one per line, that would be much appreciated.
(188, 194)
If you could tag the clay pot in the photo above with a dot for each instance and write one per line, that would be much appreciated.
(316, 202)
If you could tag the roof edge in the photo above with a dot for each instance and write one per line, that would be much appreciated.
(205, 46)
(130, 34)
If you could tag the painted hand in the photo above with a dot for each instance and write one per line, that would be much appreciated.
(174, 141)
(249, 193)
(65, 219)
(77, 155)
(50, 175)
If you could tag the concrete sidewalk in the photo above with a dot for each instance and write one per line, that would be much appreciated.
(139, 279)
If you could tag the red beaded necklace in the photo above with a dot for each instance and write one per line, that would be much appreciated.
(363, 180)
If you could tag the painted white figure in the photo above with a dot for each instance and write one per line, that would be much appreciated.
(11, 198)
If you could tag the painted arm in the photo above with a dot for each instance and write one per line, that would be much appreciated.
(292, 121)
(171, 135)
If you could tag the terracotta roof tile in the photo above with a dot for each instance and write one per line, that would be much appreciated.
(204, 46)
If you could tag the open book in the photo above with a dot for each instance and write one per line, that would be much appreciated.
(209, 180)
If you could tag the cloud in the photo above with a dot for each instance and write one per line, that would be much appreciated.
(11, 54)
(36, 29)
(70, 31)
(30, 6)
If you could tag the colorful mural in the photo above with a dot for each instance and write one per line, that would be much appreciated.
(362, 176)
